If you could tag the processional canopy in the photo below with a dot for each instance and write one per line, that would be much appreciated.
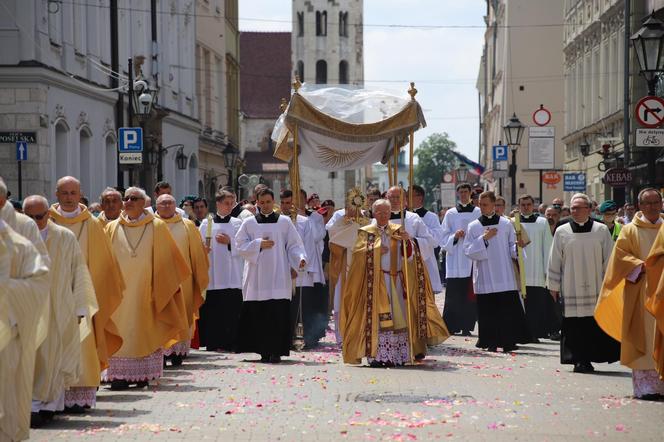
(341, 128)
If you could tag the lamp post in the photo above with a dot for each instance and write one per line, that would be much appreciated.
(462, 173)
(230, 157)
(140, 103)
(648, 43)
(513, 133)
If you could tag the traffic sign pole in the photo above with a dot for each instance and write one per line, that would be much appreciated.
(20, 180)
(21, 155)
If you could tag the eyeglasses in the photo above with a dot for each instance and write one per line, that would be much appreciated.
(132, 198)
(38, 217)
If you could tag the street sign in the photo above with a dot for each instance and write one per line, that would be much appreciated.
(500, 153)
(499, 173)
(649, 137)
(13, 137)
(500, 165)
(447, 195)
(541, 116)
(541, 147)
(21, 151)
(130, 139)
(574, 182)
(130, 157)
(618, 177)
(650, 111)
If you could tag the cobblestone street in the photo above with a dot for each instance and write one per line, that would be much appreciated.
(457, 393)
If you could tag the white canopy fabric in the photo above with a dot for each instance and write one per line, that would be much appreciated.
(344, 128)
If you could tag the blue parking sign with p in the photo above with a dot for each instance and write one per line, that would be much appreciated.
(130, 139)
(500, 153)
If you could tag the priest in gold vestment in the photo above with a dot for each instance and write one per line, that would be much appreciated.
(20, 223)
(152, 314)
(111, 205)
(622, 307)
(105, 339)
(388, 314)
(189, 242)
(72, 305)
(23, 303)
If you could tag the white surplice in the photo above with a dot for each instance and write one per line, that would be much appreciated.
(312, 233)
(267, 272)
(493, 269)
(457, 264)
(432, 222)
(226, 264)
(536, 259)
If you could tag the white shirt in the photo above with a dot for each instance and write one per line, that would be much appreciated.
(226, 264)
(493, 270)
(267, 272)
(457, 264)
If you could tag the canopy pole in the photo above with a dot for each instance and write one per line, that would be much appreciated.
(410, 169)
(295, 174)
(404, 267)
(412, 91)
(389, 172)
(395, 180)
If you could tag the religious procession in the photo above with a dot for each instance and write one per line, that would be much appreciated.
(105, 296)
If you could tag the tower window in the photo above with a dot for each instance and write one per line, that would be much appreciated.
(343, 72)
(321, 23)
(300, 70)
(300, 24)
(343, 24)
(321, 72)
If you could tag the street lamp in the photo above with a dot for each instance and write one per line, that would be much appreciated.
(648, 44)
(155, 158)
(513, 132)
(462, 173)
(181, 159)
(230, 157)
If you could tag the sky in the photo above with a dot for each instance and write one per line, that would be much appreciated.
(442, 61)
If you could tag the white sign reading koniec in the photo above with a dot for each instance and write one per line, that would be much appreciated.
(541, 147)
(649, 137)
(130, 157)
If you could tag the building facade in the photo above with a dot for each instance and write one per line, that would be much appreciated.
(217, 89)
(56, 81)
(265, 77)
(521, 68)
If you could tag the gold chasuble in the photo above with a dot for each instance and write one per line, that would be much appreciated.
(23, 307)
(655, 297)
(621, 307)
(105, 340)
(153, 312)
(366, 308)
(188, 239)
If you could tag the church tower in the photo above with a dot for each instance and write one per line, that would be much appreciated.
(327, 41)
(327, 44)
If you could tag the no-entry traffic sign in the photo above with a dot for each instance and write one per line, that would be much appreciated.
(650, 111)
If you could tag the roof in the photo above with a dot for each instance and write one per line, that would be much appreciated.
(265, 72)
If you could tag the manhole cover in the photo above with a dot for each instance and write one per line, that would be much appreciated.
(408, 398)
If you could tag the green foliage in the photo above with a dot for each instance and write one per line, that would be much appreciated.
(434, 157)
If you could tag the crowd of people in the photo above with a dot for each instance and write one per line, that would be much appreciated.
(117, 290)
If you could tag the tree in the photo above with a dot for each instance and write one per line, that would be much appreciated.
(434, 157)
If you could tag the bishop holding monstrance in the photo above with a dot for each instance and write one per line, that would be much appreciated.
(388, 312)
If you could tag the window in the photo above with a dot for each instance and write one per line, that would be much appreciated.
(321, 72)
(343, 72)
(55, 27)
(300, 24)
(86, 163)
(300, 70)
(321, 23)
(62, 153)
(343, 24)
(111, 164)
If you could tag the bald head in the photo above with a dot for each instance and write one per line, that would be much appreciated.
(166, 206)
(36, 207)
(68, 193)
